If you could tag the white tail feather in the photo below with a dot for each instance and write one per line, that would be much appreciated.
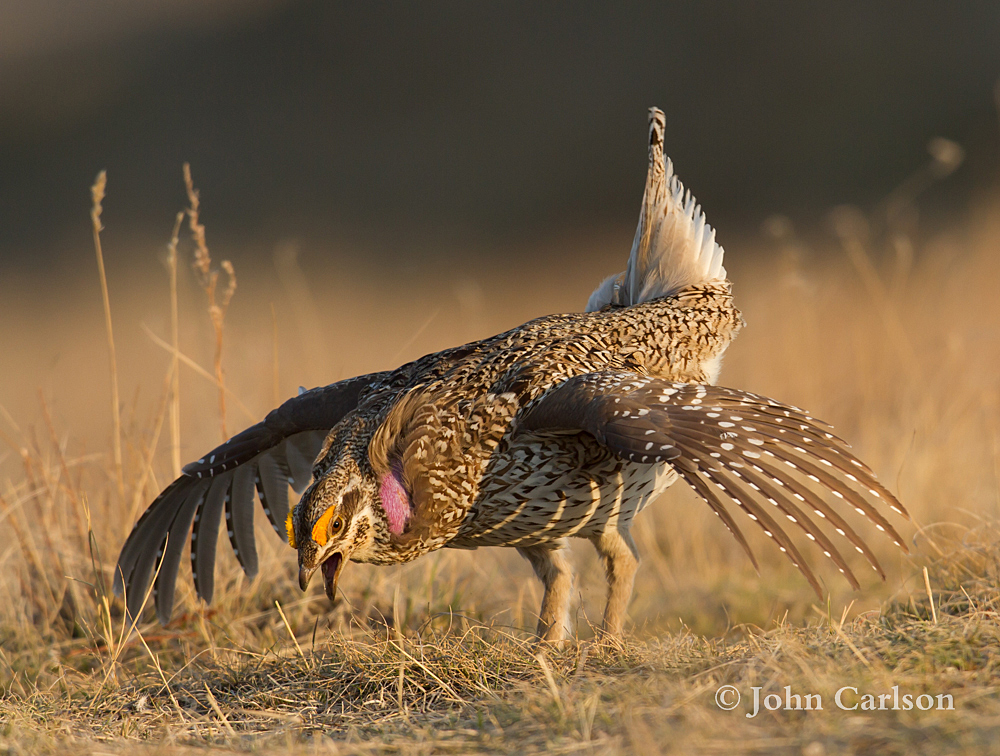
(674, 247)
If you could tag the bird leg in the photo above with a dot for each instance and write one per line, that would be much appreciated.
(553, 569)
(621, 560)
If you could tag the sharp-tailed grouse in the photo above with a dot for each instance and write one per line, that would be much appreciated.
(565, 426)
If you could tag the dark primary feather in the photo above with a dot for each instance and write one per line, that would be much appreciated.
(729, 445)
(205, 536)
(266, 457)
(318, 409)
(239, 518)
(144, 546)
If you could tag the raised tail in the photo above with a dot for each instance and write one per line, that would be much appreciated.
(674, 247)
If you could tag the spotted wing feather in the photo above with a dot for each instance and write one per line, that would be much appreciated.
(731, 447)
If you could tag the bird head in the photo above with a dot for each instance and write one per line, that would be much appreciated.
(334, 521)
(350, 512)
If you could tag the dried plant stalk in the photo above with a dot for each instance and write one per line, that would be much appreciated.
(274, 357)
(97, 193)
(199, 370)
(209, 280)
(175, 387)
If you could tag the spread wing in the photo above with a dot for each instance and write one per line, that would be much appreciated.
(264, 458)
(732, 447)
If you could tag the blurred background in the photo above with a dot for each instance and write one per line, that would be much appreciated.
(397, 123)
(392, 178)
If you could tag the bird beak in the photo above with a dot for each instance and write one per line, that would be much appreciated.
(331, 571)
(305, 575)
(331, 567)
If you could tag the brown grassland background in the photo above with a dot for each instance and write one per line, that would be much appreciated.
(890, 336)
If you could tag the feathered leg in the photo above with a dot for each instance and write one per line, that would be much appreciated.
(621, 560)
(553, 569)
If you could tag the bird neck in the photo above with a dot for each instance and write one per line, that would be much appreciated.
(395, 500)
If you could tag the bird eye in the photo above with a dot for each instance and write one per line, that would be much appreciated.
(336, 525)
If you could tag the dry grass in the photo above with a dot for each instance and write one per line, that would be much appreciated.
(208, 278)
(452, 685)
(892, 339)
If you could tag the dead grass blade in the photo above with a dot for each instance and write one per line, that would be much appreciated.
(175, 386)
(200, 371)
(209, 280)
(97, 193)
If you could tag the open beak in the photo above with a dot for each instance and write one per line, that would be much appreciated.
(331, 567)
(305, 575)
(331, 571)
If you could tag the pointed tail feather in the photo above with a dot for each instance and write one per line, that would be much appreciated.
(674, 247)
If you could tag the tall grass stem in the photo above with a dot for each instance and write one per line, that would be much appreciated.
(97, 194)
(175, 386)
